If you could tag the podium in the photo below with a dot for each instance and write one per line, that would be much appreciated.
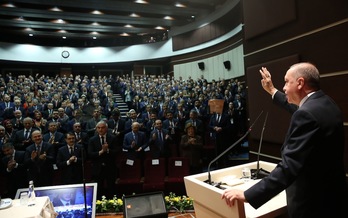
(207, 198)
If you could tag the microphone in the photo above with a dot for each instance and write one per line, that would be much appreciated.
(232, 146)
(84, 181)
(260, 173)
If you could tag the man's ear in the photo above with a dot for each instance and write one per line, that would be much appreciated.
(300, 82)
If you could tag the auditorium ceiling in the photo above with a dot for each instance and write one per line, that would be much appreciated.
(86, 23)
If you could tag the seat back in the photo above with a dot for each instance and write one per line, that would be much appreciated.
(154, 170)
(130, 169)
(178, 167)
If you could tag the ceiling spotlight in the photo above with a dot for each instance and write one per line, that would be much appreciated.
(134, 15)
(94, 37)
(64, 37)
(95, 24)
(159, 28)
(55, 9)
(59, 21)
(141, 2)
(124, 34)
(9, 5)
(30, 34)
(96, 12)
(168, 18)
(128, 26)
(179, 5)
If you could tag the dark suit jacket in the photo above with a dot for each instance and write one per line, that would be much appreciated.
(40, 171)
(141, 142)
(159, 148)
(72, 173)
(17, 177)
(19, 139)
(106, 160)
(311, 170)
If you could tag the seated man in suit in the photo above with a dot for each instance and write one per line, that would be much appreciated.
(69, 160)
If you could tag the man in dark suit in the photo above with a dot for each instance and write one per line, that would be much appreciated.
(17, 121)
(14, 169)
(159, 141)
(22, 138)
(54, 137)
(135, 142)
(69, 161)
(82, 137)
(102, 150)
(6, 108)
(218, 127)
(312, 169)
(39, 158)
(117, 125)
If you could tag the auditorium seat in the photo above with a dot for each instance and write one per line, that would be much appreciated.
(178, 167)
(130, 179)
(154, 174)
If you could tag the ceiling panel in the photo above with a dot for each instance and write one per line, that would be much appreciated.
(49, 21)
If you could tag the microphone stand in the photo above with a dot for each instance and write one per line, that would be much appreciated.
(84, 180)
(232, 146)
(256, 173)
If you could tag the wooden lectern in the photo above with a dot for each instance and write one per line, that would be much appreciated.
(207, 198)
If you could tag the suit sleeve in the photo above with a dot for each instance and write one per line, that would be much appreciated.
(300, 141)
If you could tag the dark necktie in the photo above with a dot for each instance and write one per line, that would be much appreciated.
(71, 150)
(38, 149)
(102, 140)
(26, 136)
(160, 135)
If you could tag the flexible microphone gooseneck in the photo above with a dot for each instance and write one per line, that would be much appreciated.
(84, 180)
(256, 174)
(232, 146)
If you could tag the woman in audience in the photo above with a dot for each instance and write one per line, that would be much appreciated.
(191, 147)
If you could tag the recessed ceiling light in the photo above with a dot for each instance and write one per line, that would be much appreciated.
(95, 24)
(97, 12)
(168, 18)
(94, 33)
(59, 21)
(159, 28)
(128, 25)
(30, 34)
(134, 15)
(141, 2)
(179, 5)
(20, 18)
(64, 37)
(94, 37)
(61, 31)
(28, 29)
(124, 34)
(9, 5)
(55, 9)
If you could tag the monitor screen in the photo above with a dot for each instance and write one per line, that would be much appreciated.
(144, 205)
(68, 200)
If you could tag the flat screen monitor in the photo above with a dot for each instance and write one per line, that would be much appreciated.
(145, 205)
(68, 200)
